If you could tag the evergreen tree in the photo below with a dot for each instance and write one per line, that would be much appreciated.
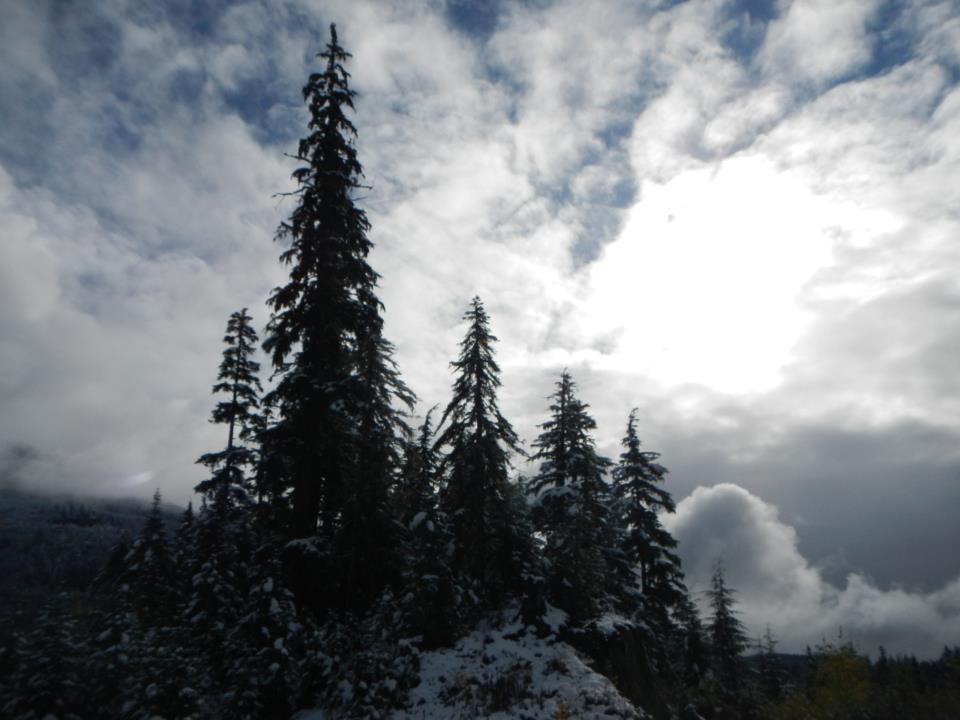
(431, 595)
(728, 638)
(183, 547)
(647, 544)
(771, 674)
(115, 568)
(416, 489)
(263, 651)
(571, 506)
(44, 677)
(692, 641)
(149, 571)
(338, 432)
(218, 543)
(478, 440)
(237, 377)
(144, 659)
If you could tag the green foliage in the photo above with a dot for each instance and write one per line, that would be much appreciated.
(838, 689)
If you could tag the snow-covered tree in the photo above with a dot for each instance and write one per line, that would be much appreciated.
(571, 506)
(477, 441)
(44, 670)
(146, 663)
(264, 650)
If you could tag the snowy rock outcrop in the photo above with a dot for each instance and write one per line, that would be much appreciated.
(507, 672)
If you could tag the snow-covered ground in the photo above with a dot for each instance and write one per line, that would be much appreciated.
(504, 672)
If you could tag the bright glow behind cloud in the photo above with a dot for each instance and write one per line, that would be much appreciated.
(704, 281)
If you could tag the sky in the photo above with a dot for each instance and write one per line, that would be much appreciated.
(739, 217)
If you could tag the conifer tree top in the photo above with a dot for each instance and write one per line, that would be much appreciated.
(474, 410)
(729, 636)
(238, 380)
(565, 445)
(330, 299)
(638, 475)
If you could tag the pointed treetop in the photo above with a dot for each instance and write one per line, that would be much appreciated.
(239, 411)
(474, 410)
(638, 476)
(565, 446)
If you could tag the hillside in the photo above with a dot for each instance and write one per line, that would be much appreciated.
(58, 543)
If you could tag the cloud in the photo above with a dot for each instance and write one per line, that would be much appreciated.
(683, 273)
(838, 31)
(777, 586)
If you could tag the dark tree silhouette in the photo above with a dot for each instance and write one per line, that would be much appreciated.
(636, 483)
(238, 379)
(431, 595)
(337, 433)
(571, 506)
(728, 639)
(691, 647)
(416, 490)
(149, 570)
(478, 440)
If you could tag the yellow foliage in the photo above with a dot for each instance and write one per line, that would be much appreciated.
(841, 689)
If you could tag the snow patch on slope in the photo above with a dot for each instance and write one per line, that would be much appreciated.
(504, 671)
(510, 674)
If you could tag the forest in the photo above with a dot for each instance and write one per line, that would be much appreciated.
(339, 554)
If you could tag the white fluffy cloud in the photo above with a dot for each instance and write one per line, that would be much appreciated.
(777, 586)
(837, 29)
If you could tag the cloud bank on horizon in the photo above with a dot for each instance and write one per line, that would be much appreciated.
(776, 587)
(740, 217)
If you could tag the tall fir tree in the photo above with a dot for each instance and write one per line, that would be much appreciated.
(637, 480)
(238, 378)
(728, 638)
(571, 507)
(217, 554)
(478, 440)
(338, 430)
